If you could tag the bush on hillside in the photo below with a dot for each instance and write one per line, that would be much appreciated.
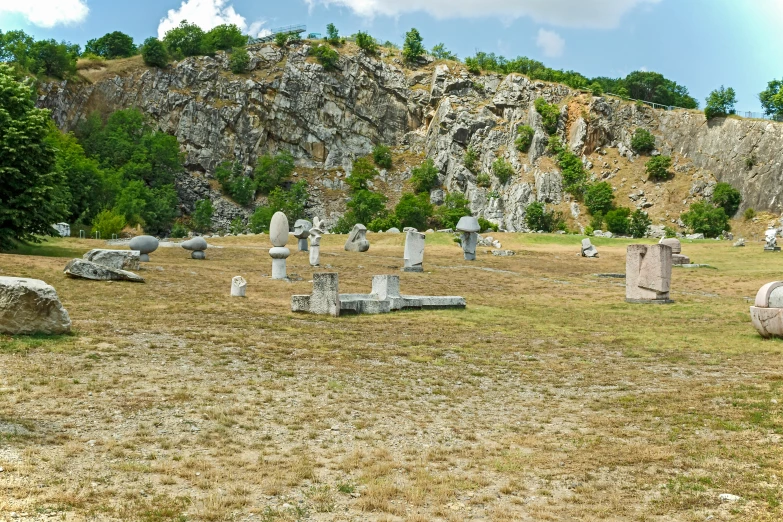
(639, 223)
(599, 197)
(425, 177)
(414, 210)
(658, 167)
(642, 141)
(502, 170)
(617, 220)
(366, 42)
(706, 219)
(720, 103)
(471, 157)
(239, 60)
(273, 171)
(550, 113)
(326, 56)
(154, 53)
(111, 45)
(524, 139)
(412, 48)
(537, 217)
(727, 197)
(202, 215)
(382, 156)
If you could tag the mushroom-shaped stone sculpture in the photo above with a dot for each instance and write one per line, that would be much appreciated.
(676, 246)
(278, 235)
(196, 245)
(767, 312)
(145, 245)
(357, 242)
(301, 232)
(469, 227)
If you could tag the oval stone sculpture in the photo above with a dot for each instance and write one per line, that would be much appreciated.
(278, 230)
(145, 245)
(767, 314)
(196, 245)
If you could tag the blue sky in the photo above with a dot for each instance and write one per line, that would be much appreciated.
(701, 44)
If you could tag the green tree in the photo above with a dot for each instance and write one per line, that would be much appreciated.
(727, 197)
(260, 220)
(599, 197)
(412, 49)
(537, 217)
(658, 167)
(365, 205)
(425, 177)
(596, 89)
(455, 206)
(187, 40)
(573, 171)
(549, 114)
(107, 223)
(414, 210)
(707, 219)
(332, 34)
(239, 60)
(281, 39)
(502, 170)
(362, 173)
(366, 42)
(291, 202)
(771, 98)
(441, 53)
(326, 56)
(273, 171)
(202, 215)
(232, 179)
(50, 58)
(82, 176)
(112, 45)
(471, 157)
(720, 103)
(132, 202)
(154, 53)
(224, 37)
(524, 139)
(382, 156)
(16, 47)
(639, 223)
(617, 220)
(29, 202)
(642, 141)
(653, 87)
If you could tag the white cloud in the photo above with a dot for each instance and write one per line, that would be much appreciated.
(550, 43)
(564, 13)
(47, 13)
(208, 14)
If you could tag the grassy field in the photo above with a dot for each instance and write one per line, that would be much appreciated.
(548, 398)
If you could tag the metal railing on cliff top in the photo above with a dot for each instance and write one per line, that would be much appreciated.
(742, 114)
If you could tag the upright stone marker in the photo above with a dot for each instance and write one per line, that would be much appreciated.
(648, 274)
(238, 286)
(357, 242)
(469, 227)
(315, 243)
(278, 235)
(302, 229)
(413, 256)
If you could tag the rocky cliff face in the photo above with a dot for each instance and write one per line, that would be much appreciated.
(327, 119)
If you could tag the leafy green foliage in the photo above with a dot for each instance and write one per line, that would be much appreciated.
(455, 206)
(112, 45)
(414, 210)
(502, 170)
(365, 205)
(597, 221)
(239, 60)
(727, 197)
(29, 201)
(260, 220)
(617, 220)
(384, 222)
(366, 42)
(471, 157)
(639, 223)
(154, 53)
(291, 202)
(537, 217)
(771, 98)
(382, 156)
(178, 230)
(599, 198)
(424, 177)
(202, 215)
(485, 224)
(720, 103)
(187, 40)
(332, 34)
(525, 135)
(549, 114)
(326, 56)
(642, 141)
(107, 223)
(483, 180)
(412, 48)
(706, 219)
(362, 173)
(42, 57)
(281, 39)
(272, 171)
(574, 175)
(653, 87)
(224, 37)
(237, 226)
(441, 53)
(241, 188)
(749, 214)
(658, 167)
(596, 89)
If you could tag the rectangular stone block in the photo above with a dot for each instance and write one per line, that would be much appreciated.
(648, 273)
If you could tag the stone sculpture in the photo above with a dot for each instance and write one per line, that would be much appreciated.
(30, 306)
(196, 245)
(145, 245)
(83, 269)
(278, 235)
(588, 250)
(767, 312)
(302, 229)
(63, 229)
(648, 273)
(469, 227)
(385, 297)
(315, 243)
(357, 242)
(771, 239)
(677, 257)
(238, 286)
(121, 259)
(740, 242)
(413, 256)
(393, 230)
